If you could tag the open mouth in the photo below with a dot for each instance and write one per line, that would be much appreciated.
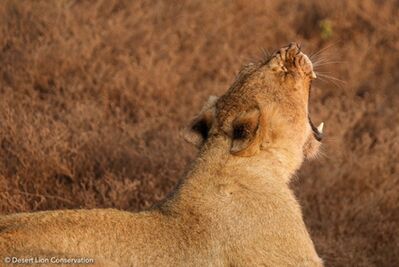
(317, 131)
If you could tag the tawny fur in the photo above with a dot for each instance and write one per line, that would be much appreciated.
(233, 208)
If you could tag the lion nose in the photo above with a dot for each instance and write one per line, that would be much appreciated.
(293, 50)
(294, 45)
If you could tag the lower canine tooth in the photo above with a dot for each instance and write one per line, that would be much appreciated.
(320, 127)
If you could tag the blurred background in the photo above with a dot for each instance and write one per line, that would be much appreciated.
(94, 95)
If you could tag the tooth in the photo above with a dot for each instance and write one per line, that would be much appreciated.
(320, 127)
(314, 75)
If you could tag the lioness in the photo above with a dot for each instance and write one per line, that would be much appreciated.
(233, 208)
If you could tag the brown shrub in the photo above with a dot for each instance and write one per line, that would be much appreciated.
(94, 94)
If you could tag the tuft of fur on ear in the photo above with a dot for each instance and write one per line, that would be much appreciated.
(245, 133)
(199, 128)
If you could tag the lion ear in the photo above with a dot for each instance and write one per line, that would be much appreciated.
(198, 130)
(245, 133)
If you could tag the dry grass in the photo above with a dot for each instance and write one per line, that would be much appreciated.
(94, 94)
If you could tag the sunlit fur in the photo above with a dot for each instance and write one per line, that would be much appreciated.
(233, 208)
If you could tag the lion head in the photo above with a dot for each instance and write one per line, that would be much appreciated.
(265, 109)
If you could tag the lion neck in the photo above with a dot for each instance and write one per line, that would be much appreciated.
(220, 188)
(215, 163)
(216, 172)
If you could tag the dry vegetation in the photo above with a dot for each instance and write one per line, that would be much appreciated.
(94, 95)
